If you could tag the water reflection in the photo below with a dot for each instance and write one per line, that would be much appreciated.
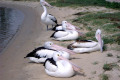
(10, 20)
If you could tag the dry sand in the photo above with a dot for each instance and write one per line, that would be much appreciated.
(33, 33)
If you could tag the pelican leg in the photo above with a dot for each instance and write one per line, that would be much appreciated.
(47, 27)
(52, 26)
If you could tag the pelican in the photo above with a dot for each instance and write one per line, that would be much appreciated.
(58, 66)
(40, 54)
(88, 45)
(71, 27)
(65, 34)
(46, 18)
(57, 27)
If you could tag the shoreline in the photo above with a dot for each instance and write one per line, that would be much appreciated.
(12, 57)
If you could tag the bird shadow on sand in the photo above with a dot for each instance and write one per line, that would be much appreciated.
(74, 58)
(35, 62)
(81, 74)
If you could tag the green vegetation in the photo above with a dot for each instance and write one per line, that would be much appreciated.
(95, 63)
(104, 77)
(63, 3)
(109, 23)
(109, 66)
(118, 56)
(109, 55)
(27, 0)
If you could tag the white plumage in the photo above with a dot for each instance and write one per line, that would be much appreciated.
(65, 34)
(57, 67)
(88, 45)
(46, 18)
(40, 54)
(70, 27)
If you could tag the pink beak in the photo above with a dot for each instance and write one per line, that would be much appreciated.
(56, 47)
(75, 67)
(100, 42)
(47, 4)
(72, 27)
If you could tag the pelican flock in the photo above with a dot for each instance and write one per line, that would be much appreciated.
(55, 58)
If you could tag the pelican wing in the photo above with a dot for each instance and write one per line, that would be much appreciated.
(57, 27)
(60, 34)
(52, 18)
(86, 50)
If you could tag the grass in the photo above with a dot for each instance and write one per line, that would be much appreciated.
(104, 77)
(109, 23)
(95, 63)
(110, 66)
(107, 67)
(109, 55)
(118, 56)
(72, 3)
(27, 0)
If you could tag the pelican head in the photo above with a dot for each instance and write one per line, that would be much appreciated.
(48, 44)
(98, 37)
(64, 25)
(57, 55)
(44, 3)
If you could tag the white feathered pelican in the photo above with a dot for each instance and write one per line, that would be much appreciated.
(46, 18)
(71, 27)
(58, 66)
(88, 45)
(40, 54)
(66, 34)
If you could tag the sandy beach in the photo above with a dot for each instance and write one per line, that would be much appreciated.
(33, 33)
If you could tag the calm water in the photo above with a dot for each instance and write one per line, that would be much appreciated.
(10, 21)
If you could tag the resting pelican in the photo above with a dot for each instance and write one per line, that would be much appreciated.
(71, 27)
(57, 27)
(88, 45)
(65, 34)
(58, 66)
(40, 54)
(46, 18)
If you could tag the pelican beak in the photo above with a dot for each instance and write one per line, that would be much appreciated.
(100, 42)
(72, 27)
(77, 28)
(47, 4)
(60, 48)
(75, 67)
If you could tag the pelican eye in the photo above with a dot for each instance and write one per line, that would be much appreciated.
(50, 43)
(58, 55)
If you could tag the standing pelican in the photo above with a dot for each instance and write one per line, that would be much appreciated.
(40, 54)
(65, 34)
(58, 66)
(88, 45)
(46, 18)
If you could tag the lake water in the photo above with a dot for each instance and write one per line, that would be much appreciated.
(10, 21)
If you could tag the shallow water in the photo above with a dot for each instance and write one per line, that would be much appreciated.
(10, 21)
